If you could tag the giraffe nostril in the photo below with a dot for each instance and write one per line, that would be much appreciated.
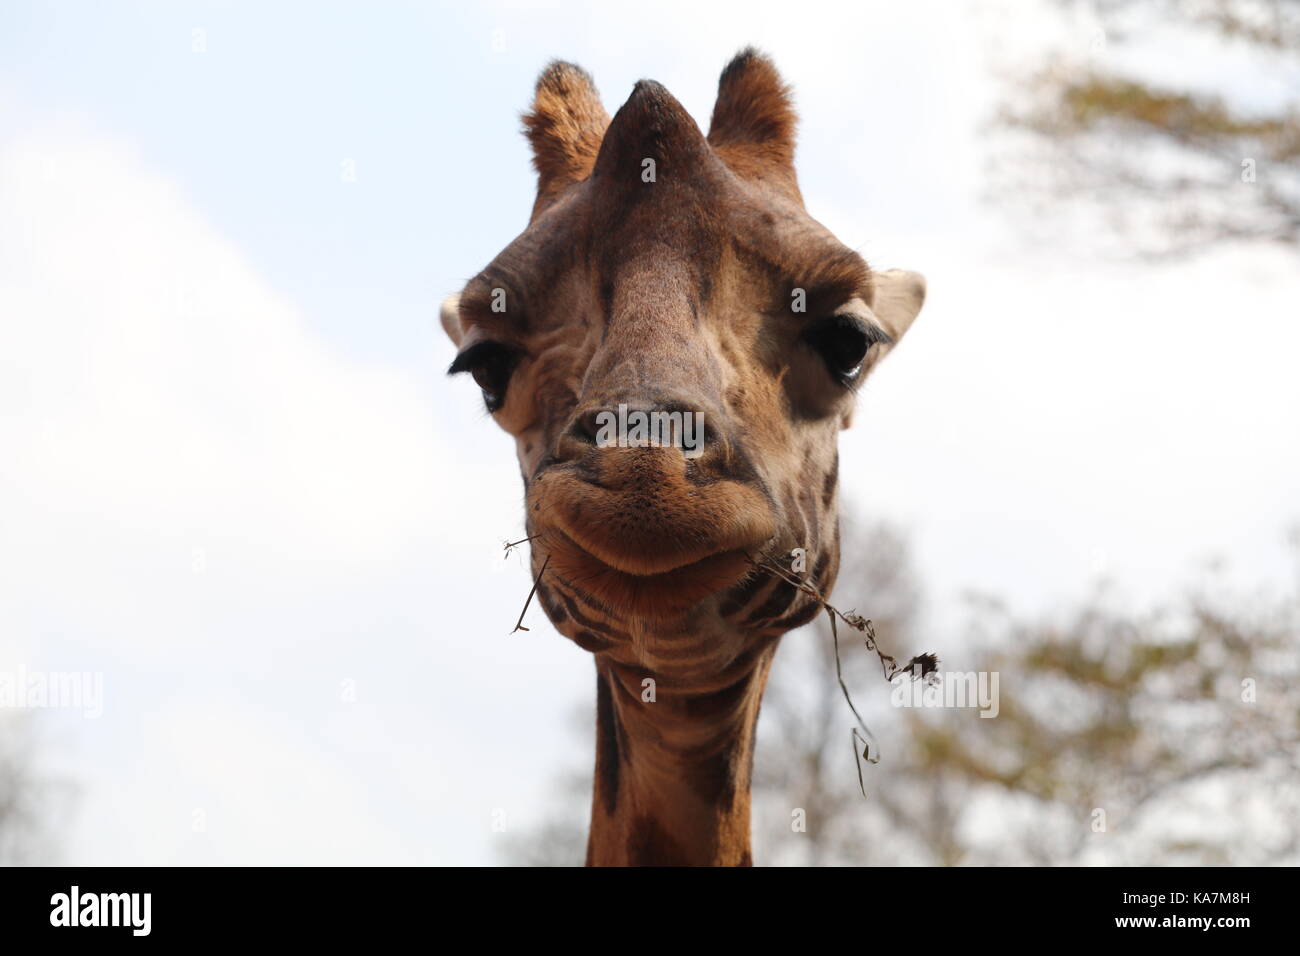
(633, 425)
(585, 426)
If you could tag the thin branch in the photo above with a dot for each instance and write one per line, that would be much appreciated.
(519, 625)
(511, 545)
(921, 665)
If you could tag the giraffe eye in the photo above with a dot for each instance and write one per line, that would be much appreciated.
(843, 341)
(490, 364)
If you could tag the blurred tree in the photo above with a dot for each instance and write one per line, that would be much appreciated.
(561, 838)
(1171, 162)
(28, 800)
(1165, 737)
(804, 764)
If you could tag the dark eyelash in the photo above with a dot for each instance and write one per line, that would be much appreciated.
(478, 354)
(491, 364)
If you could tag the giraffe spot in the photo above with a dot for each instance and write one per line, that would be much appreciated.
(741, 595)
(778, 603)
(804, 615)
(715, 779)
(550, 605)
(720, 703)
(590, 642)
(590, 624)
(819, 569)
(607, 740)
(649, 844)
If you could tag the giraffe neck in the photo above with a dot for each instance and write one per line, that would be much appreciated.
(673, 773)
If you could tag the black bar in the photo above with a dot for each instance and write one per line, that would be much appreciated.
(366, 906)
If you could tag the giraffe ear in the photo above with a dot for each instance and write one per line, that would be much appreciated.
(565, 127)
(753, 124)
(449, 313)
(897, 300)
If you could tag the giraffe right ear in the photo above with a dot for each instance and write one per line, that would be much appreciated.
(565, 127)
(753, 125)
(449, 313)
(898, 298)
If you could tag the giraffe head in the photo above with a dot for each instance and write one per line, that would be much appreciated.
(668, 272)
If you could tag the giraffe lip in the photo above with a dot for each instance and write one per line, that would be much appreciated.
(646, 567)
(658, 522)
(683, 565)
(653, 595)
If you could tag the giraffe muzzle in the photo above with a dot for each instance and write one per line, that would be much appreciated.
(647, 526)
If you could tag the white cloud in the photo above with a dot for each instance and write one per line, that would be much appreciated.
(205, 503)
(1041, 414)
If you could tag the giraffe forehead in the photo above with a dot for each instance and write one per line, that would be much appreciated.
(672, 244)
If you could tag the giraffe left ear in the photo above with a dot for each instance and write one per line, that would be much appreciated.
(898, 299)
(565, 127)
(449, 313)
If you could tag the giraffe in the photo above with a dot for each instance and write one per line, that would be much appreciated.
(666, 270)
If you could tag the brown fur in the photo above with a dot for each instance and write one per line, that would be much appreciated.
(565, 127)
(674, 294)
(753, 125)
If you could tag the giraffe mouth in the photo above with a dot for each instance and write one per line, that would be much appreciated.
(658, 595)
(634, 528)
(648, 519)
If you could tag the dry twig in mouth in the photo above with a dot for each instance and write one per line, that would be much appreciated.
(922, 665)
(519, 625)
(511, 545)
